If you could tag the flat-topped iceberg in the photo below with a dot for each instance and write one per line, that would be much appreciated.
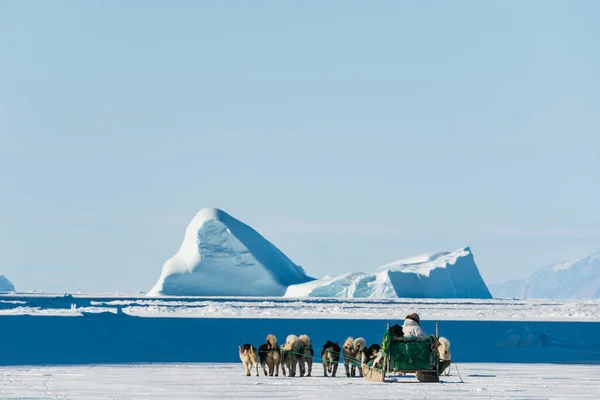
(439, 275)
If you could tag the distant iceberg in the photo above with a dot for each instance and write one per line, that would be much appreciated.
(439, 275)
(577, 279)
(5, 285)
(221, 256)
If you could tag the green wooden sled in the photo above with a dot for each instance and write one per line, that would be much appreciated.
(407, 355)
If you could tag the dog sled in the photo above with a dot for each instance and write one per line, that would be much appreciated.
(401, 354)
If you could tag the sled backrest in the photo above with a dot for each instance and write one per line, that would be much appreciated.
(411, 354)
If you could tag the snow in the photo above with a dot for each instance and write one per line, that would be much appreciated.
(306, 308)
(578, 279)
(226, 381)
(438, 275)
(138, 347)
(5, 284)
(222, 256)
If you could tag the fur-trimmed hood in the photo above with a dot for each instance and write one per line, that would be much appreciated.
(412, 328)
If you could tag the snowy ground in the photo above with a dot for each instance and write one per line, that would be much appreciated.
(330, 308)
(226, 381)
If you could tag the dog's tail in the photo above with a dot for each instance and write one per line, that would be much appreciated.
(445, 343)
(360, 344)
(444, 349)
(291, 342)
(303, 341)
(349, 344)
(272, 341)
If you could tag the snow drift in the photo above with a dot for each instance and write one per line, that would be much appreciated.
(6, 285)
(221, 256)
(440, 275)
(578, 279)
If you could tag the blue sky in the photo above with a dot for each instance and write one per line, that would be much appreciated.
(349, 133)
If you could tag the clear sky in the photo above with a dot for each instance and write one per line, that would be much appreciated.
(349, 133)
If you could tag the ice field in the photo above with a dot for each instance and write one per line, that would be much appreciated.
(278, 307)
(227, 381)
(128, 346)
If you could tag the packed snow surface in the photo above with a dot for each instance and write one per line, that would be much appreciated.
(439, 275)
(227, 381)
(6, 285)
(222, 256)
(578, 279)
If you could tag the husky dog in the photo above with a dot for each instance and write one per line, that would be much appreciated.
(359, 345)
(249, 358)
(288, 355)
(306, 354)
(444, 350)
(269, 355)
(330, 354)
(349, 356)
(371, 353)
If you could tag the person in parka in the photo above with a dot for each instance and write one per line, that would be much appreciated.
(412, 326)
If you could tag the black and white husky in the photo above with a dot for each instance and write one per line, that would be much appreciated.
(288, 355)
(370, 354)
(249, 358)
(306, 354)
(269, 355)
(330, 354)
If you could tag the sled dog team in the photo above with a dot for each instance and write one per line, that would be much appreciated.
(298, 351)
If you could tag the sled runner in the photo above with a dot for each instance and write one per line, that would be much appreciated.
(406, 355)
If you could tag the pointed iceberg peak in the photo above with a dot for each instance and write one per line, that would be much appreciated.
(221, 256)
(211, 213)
(6, 285)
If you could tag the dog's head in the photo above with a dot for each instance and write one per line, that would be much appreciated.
(374, 348)
(245, 348)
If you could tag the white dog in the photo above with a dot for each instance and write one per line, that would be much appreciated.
(445, 355)
(349, 356)
(306, 353)
(288, 355)
(359, 346)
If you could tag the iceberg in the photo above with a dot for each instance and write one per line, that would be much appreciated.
(221, 256)
(577, 279)
(5, 285)
(438, 275)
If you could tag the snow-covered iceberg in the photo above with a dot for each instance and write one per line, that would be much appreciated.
(440, 275)
(578, 279)
(221, 256)
(6, 285)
